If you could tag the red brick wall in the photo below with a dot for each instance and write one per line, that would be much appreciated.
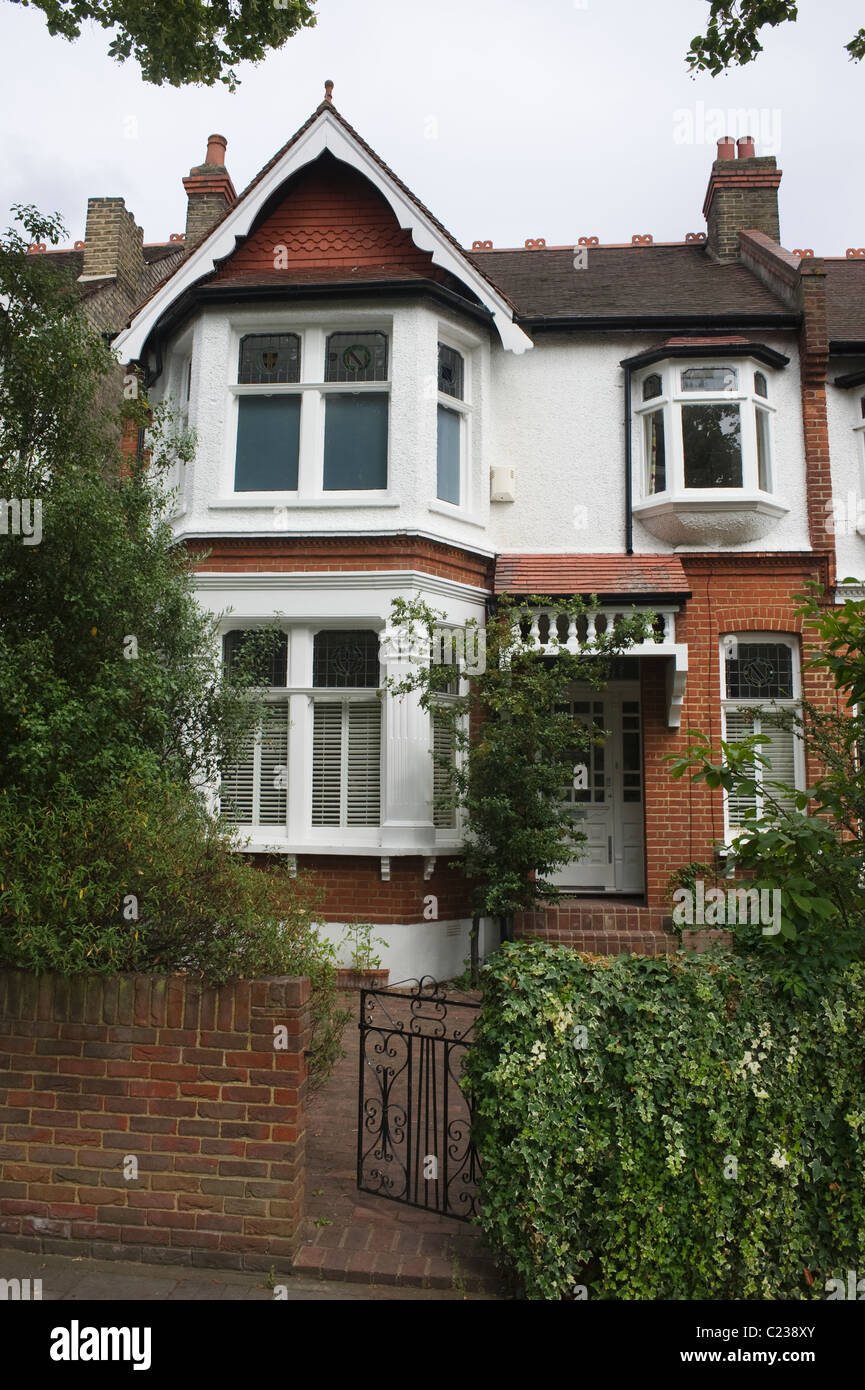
(306, 554)
(187, 1081)
(354, 890)
(330, 216)
(731, 593)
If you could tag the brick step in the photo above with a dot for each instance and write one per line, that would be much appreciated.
(606, 943)
(367, 1253)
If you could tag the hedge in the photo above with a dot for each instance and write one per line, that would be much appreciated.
(668, 1128)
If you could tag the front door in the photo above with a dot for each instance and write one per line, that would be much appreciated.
(609, 809)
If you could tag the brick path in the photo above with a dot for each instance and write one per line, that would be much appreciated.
(370, 1239)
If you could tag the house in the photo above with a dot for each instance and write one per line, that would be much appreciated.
(382, 412)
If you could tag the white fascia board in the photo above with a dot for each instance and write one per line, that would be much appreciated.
(325, 134)
(209, 580)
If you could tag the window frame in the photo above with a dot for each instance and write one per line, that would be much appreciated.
(462, 408)
(671, 402)
(313, 389)
(728, 703)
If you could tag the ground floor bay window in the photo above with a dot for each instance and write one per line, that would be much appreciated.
(336, 761)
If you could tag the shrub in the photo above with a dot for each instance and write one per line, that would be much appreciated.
(675, 1128)
(138, 877)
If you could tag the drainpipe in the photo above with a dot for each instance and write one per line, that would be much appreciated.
(629, 520)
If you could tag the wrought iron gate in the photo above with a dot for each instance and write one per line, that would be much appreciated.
(414, 1122)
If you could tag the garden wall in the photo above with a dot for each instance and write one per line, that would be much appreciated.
(147, 1117)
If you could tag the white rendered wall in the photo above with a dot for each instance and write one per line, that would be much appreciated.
(847, 456)
(440, 949)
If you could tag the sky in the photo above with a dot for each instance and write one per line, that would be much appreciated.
(554, 119)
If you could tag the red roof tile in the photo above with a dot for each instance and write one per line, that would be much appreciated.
(608, 576)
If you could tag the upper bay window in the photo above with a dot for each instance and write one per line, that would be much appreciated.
(312, 412)
(705, 427)
(703, 449)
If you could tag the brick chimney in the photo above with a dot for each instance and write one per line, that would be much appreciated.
(113, 245)
(742, 197)
(210, 193)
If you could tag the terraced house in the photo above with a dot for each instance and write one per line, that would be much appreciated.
(381, 412)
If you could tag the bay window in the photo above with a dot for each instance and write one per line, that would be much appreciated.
(451, 425)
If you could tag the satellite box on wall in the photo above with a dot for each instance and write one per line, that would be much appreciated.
(502, 484)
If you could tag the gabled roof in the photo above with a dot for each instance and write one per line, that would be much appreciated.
(845, 301)
(326, 129)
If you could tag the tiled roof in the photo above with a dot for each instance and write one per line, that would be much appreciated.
(845, 299)
(608, 576)
(624, 282)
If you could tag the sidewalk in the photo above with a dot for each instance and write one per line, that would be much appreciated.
(69, 1279)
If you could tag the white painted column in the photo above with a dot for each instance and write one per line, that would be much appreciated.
(407, 768)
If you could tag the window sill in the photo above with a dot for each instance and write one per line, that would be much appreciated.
(289, 501)
(712, 517)
(456, 513)
(252, 843)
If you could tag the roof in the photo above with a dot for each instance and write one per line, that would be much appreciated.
(717, 345)
(622, 282)
(325, 129)
(845, 299)
(608, 576)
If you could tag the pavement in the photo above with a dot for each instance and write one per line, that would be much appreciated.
(74, 1279)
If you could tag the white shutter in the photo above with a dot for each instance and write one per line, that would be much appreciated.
(781, 758)
(363, 763)
(273, 775)
(236, 792)
(738, 726)
(326, 763)
(443, 747)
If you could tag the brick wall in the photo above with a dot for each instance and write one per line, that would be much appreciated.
(742, 196)
(100, 1075)
(354, 890)
(113, 245)
(307, 554)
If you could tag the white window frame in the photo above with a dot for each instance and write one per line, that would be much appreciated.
(463, 409)
(732, 832)
(313, 391)
(670, 402)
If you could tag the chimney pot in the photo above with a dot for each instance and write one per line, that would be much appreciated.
(745, 146)
(216, 147)
(726, 148)
(328, 90)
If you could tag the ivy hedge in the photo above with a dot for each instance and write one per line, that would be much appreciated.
(668, 1128)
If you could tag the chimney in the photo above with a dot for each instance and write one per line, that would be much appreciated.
(113, 245)
(742, 197)
(210, 193)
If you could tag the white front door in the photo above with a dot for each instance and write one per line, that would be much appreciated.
(609, 811)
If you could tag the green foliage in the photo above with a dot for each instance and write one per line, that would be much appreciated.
(115, 712)
(183, 41)
(807, 845)
(512, 772)
(732, 37)
(358, 936)
(702, 1138)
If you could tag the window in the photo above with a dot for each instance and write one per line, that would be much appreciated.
(710, 431)
(330, 390)
(452, 425)
(759, 675)
(254, 790)
(346, 736)
(355, 429)
(268, 426)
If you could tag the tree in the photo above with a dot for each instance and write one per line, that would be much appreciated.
(183, 41)
(515, 749)
(732, 37)
(809, 846)
(115, 712)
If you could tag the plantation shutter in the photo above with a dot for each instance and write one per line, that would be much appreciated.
(780, 758)
(363, 764)
(273, 777)
(326, 763)
(444, 755)
(236, 793)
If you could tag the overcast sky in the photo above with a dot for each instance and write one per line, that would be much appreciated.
(555, 119)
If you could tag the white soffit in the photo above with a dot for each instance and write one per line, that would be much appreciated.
(326, 133)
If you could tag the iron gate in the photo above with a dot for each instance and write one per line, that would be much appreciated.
(414, 1122)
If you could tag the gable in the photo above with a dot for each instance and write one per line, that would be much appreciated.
(330, 219)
